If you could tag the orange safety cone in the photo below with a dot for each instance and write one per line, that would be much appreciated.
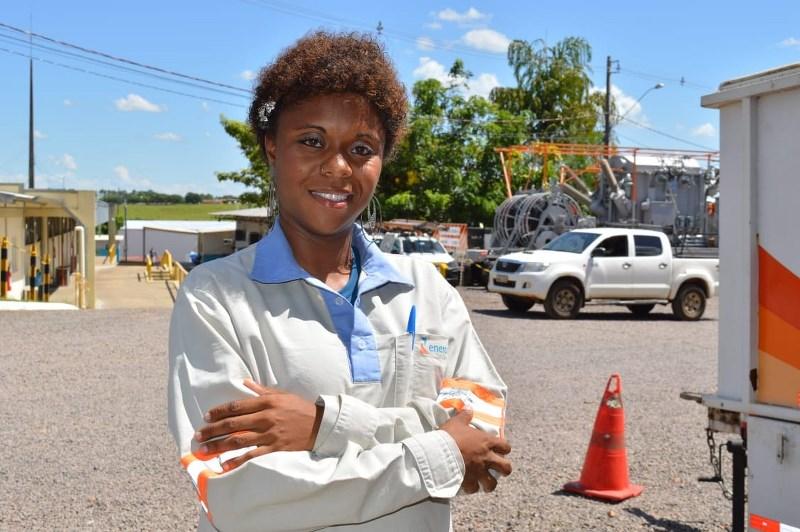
(605, 469)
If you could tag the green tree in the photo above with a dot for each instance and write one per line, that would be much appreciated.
(256, 176)
(193, 197)
(553, 90)
(446, 168)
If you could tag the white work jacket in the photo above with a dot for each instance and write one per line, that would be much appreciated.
(379, 463)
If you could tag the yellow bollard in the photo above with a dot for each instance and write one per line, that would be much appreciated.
(112, 253)
(46, 280)
(148, 266)
(4, 268)
(32, 276)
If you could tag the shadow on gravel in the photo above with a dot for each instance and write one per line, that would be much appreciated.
(583, 316)
(657, 524)
(662, 525)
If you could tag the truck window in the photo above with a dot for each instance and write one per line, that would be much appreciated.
(647, 246)
(616, 246)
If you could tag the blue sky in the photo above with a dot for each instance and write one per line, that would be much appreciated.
(95, 132)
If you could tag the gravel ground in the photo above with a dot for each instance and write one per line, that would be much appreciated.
(82, 418)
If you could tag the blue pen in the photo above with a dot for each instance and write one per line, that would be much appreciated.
(411, 328)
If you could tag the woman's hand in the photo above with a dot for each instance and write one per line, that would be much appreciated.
(481, 452)
(273, 421)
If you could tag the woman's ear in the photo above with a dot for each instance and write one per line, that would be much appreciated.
(269, 149)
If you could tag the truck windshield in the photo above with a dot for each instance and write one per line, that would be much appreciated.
(422, 246)
(572, 242)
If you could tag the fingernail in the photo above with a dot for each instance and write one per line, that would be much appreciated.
(197, 436)
(207, 416)
(203, 449)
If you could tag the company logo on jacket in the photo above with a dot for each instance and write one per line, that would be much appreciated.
(433, 347)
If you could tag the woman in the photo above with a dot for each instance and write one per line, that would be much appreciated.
(313, 380)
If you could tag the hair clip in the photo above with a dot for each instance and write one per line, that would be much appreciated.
(263, 114)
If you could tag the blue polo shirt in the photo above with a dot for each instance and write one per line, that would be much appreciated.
(275, 263)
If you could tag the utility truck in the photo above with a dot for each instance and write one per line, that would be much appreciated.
(631, 267)
(757, 401)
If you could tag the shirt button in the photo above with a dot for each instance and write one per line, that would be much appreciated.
(362, 344)
(339, 301)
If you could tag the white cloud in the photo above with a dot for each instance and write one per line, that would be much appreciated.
(168, 136)
(626, 105)
(125, 178)
(791, 41)
(425, 43)
(68, 162)
(134, 102)
(480, 85)
(68, 103)
(430, 68)
(486, 40)
(249, 75)
(433, 25)
(704, 130)
(468, 16)
(38, 134)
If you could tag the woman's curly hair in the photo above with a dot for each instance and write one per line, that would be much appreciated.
(325, 63)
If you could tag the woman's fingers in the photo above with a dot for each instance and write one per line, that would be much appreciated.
(501, 446)
(499, 464)
(256, 387)
(470, 486)
(247, 422)
(233, 463)
(236, 440)
(236, 408)
(488, 482)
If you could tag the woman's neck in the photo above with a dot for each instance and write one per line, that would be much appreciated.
(328, 258)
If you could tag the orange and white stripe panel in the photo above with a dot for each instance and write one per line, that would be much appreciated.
(763, 524)
(488, 407)
(202, 467)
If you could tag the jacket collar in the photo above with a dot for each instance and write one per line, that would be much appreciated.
(274, 262)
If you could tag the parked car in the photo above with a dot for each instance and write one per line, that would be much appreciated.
(631, 267)
(425, 248)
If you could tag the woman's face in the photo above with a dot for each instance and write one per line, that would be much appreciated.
(326, 157)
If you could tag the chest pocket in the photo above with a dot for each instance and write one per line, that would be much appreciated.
(419, 368)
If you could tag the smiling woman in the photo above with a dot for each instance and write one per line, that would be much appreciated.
(362, 369)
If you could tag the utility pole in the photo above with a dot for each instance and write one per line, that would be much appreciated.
(30, 128)
(607, 110)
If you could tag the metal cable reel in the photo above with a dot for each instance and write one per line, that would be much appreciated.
(534, 219)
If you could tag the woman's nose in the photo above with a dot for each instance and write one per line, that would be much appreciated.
(336, 166)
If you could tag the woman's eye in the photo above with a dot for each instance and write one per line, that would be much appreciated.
(314, 142)
(363, 150)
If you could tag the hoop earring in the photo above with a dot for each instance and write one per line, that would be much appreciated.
(272, 199)
(371, 218)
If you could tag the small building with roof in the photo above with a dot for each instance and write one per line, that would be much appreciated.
(189, 241)
(251, 224)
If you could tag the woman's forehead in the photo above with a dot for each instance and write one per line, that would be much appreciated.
(335, 107)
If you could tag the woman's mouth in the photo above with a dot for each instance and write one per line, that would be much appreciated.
(334, 200)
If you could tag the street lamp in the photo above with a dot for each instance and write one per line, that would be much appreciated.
(645, 93)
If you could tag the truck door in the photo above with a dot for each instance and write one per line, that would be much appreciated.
(610, 273)
(652, 268)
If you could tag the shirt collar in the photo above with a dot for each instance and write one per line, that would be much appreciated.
(274, 261)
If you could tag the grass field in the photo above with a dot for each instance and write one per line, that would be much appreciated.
(175, 211)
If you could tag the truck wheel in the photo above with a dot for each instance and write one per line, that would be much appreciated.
(640, 311)
(690, 303)
(517, 304)
(564, 300)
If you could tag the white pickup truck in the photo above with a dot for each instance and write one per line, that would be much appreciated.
(630, 267)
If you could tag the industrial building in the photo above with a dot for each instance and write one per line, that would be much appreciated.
(54, 224)
(187, 240)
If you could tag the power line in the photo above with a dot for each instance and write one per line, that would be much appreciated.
(673, 137)
(297, 11)
(131, 82)
(682, 81)
(71, 55)
(122, 59)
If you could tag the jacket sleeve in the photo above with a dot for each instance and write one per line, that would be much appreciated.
(470, 378)
(289, 490)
